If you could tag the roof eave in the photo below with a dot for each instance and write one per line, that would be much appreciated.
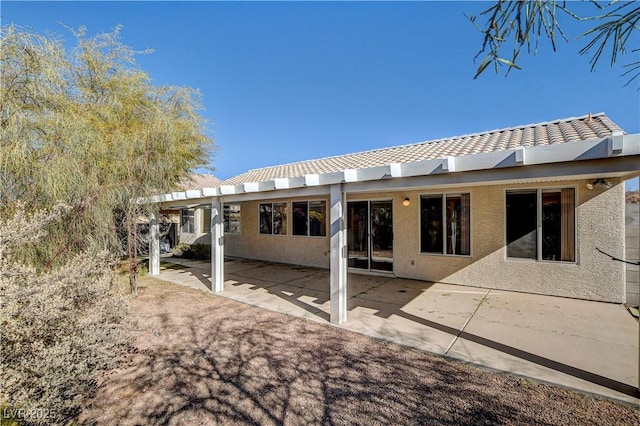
(616, 145)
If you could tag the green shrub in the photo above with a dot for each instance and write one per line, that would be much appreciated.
(200, 251)
(194, 251)
(179, 250)
(59, 328)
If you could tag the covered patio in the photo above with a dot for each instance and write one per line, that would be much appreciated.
(490, 248)
(536, 208)
(584, 345)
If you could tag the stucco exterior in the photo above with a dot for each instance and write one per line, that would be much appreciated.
(584, 159)
(293, 249)
(199, 236)
(593, 276)
(632, 242)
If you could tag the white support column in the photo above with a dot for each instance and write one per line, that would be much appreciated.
(154, 244)
(217, 246)
(338, 287)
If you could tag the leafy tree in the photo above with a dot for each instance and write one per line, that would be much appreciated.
(86, 127)
(520, 24)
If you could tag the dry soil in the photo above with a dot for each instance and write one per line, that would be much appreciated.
(203, 360)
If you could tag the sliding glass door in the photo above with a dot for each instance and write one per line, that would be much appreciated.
(358, 234)
(370, 235)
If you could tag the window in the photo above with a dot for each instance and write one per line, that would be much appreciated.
(432, 224)
(231, 217)
(541, 224)
(318, 218)
(445, 224)
(300, 218)
(206, 218)
(187, 220)
(273, 218)
(522, 224)
(309, 218)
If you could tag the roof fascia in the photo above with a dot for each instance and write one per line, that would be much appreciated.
(210, 192)
(560, 171)
(370, 173)
(311, 191)
(438, 171)
(417, 168)
(324, 178)
(259, 186)
(187, 204)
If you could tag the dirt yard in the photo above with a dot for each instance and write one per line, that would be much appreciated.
(204, 360)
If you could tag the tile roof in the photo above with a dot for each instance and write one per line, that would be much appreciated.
(553, 132)
(199, 181)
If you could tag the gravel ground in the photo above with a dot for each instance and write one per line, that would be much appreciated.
(208, 360)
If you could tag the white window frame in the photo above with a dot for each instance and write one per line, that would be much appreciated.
(273, 203)
(444, 196)
(227, 220)
(539, 191)
(183, 222)
(206, 224)
(308, 234)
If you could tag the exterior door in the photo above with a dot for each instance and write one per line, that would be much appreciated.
(370, 235)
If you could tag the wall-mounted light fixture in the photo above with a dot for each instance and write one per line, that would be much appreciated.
(406, 202)
(600, 182)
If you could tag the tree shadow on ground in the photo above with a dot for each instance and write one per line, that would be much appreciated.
(205, 360)
(295, 293)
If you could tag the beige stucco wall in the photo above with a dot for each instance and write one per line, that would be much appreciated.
(199, 236)
(294, 249)
(594, 276)
(600, 217)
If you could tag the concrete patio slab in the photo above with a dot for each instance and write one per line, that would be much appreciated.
(317, 281)
(609, 336)
(272, 296)
(589, 346)
(393, 290)
(582, 339)
(237, 285)
(364, 317)
(311, 301)
(513, 361)
(413, 313)
(276, 273)
(241, 265)
(444, 305)
(360, 284)
(186, 275)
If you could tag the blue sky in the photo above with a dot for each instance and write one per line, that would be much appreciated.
(289, 81)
